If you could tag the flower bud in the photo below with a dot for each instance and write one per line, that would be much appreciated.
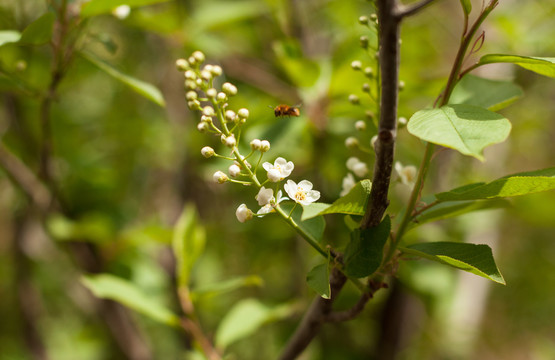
(206, 119)
(216, 70)
(192, 61)
(264, 146)
(234, 170)
(243, 113)
(356, 65)
(364, 42)
(229, 89)
(220, 177)
(369, 72)
(366, 87)
(206, 75)
(256, 144)
(353, 99)
(360, 125)
(373, 141)
(202, 127)
(374, 17)
(401, 85)
(198, 56)
(208, 111)
(191, 95)
(351, 142)
(190, 84)
(402, 120)
(190, 75)
(207, 152)
(243, 213)
(211, 93)
(221, 97)
(182, 64)
(363, 20)
(230, 141)
(230, 115)
(194, 104)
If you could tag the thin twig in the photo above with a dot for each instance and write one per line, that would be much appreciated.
(408, 10)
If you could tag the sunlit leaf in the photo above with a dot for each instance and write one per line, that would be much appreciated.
(188, 243)
(466, 128)
(513, 185)
(452, 209)
(9, 36)
(476, 259)
(245, 317)
(39, 31)
(364, 253)
(209, 290)
(107, 286)
(541, 65)
(145, 89)
(319, 280)
(490, 94)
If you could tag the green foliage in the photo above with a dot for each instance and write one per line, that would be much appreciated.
(476, 259)
(512, 185)
(467, 6)
(98, 7)
(39, 31)
(446, 210)
(314, 226)
(364, 253)
(493, 95)
(206, 291)
(319, 280)
(9, 36)
(465, 128)
(541, 65)
(111, 287)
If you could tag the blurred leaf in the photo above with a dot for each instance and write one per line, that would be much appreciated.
(213, 14)
(319, 280)
(97, 7)
(465, 128)
(364, 253)
(541, 65)
(512, 185)
(9, 36)
(354, 203)
(490, 94)
(39, 31)
(467, 6)
(210, 290)
(451, 209)
(106, 41)
(188, 243)
(147, 233)
(245, 318)
(93, 227)
(143, 88)
(107, 286)
(352, 223)
(301, 71)
(476, 259)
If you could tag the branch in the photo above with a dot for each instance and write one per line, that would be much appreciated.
(23, 177)
(408, 10)
(339, 316)
(313, 318)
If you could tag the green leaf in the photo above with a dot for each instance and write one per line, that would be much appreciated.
(319, 280)
(467, 6)
(207, 291)
(9, 36)
(354, 203)
(512, 185)
(541, 65)
(145, 89)
(301, 71)
(451, 209)
(364, 253)
(245, 318)
(97, 7)
(490, 94)
(466, 128)
(39, 31)
(314, 226)
(188, 243)
(476, 259)
(93, 227)
(111, 287)
(213, 14)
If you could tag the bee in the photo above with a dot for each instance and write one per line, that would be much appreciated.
(286, 110)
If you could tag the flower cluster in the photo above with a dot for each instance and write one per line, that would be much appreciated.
(218, 119)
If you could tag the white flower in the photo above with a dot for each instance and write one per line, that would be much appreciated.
(358, 167)
(243, 213)
(351, 162)
(234, 170)
(302, 192)
(360, 125)
(264, 146)
(264, 196)
(351, 142)
(121, 12)
(373, 141)
(268, 208)
(348, 184)
(280, 170)
(407, 174)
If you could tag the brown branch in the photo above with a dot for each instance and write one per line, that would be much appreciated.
(314, 318)
(339, 316)
(408, 10)
(389, 29)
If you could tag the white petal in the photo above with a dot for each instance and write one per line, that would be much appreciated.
(267, 166)
(274, 175)
(306, 185)
(290, 188)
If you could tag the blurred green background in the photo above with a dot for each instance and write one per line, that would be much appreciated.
(124, 167)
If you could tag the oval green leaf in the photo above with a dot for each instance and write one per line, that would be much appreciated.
(476, 259)
(9, 36)
(465, 128)
(145, 89)
(206, 291)
(490, 94)
(106, 286)
(319, 280)
(364, 253)
(512, 185)
(39, 31)
(540, 65)
(467, 6)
